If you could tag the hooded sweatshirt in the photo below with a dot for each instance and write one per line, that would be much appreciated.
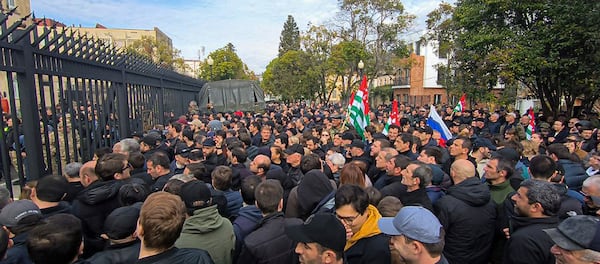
(208, 230)
(468, 214)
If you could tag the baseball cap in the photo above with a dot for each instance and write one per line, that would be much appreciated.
(150, 140)
(182, 149)
(577, 233)
(347, 136)
(483, 142)
(414, 222)
(195, 122)
(195, 195)
(14, 212)
(121, 222)
(427, 130)
(209, 142)
(322, 228)
(508, 153)
(296, 148)
(357, 143)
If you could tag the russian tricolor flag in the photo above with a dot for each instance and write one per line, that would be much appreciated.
(436, 123)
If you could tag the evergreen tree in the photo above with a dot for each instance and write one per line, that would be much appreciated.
(290, 36)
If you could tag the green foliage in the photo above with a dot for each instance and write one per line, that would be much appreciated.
(551, 47)
(291, 77)
(226, 66)
(290, 36)
(158, 51)
(377, 24)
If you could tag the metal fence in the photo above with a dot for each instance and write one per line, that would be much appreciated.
(66, 95)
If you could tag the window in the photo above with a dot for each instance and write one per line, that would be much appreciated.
(443, 49)
(11, 4)
(441, 76)
(437, 99)
(418, 48)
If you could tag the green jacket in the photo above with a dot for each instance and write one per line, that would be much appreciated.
(500, 191)
(208, 230)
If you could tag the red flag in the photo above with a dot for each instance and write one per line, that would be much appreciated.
(394, 114)
(365, 99)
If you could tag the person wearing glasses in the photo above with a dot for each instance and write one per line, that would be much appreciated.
(365, 242)
(99, 197)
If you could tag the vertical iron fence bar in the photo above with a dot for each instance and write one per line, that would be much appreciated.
(4, 150)
(16, 128)
(75, 127)
(44, 117)
(123, 98)
(31, 124)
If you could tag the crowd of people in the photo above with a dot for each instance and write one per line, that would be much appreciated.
(298, 184)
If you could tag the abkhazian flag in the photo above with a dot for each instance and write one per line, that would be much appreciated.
(436, 123)
(531, 127)
(460, 107)
(393, 118)
(359, 110)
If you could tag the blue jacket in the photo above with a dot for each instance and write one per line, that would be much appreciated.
(234, 203)
(246, 222)
(574, 173)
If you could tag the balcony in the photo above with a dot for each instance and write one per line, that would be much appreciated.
(401, 82)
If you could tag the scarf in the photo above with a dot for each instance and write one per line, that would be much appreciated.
(368, 229)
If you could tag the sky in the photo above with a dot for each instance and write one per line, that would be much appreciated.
(252, 26)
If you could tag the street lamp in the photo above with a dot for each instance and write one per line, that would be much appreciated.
(210, 62)
(361, 66)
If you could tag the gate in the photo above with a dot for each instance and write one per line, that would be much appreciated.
(65, 95)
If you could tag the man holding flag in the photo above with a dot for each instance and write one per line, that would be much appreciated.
(393, 119)
(530, 129)
(436, 123)
(359, 108)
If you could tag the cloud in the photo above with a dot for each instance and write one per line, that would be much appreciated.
(253, 26)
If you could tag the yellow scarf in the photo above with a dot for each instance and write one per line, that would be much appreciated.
(368, 229)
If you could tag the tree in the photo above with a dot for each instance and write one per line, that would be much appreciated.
(377, 24)
(290, 36)
(290, 77)
(227, 65)
(157, 51)
(343, 64)
(318, 42)
(550, 47)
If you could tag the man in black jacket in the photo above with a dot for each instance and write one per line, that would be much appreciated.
(93, 204)
(536, 205)
(468, 214)
(416, 177)
(119, 227)
(269, 243)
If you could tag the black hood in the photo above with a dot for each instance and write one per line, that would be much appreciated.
(99, 191)
(471, 191)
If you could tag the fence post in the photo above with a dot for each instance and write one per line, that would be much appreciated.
(30, 115)
(123, 105)
(161, 102)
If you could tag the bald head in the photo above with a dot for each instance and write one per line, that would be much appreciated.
(461, 170)
(87, 173)
(262, 160)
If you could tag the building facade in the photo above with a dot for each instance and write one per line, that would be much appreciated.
(418, 82)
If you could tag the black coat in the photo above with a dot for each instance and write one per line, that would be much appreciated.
(92, 206)
(468, 214)
(368, 250)
(528, 242)
(118, 254)
(269, 243)
(179, 256)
